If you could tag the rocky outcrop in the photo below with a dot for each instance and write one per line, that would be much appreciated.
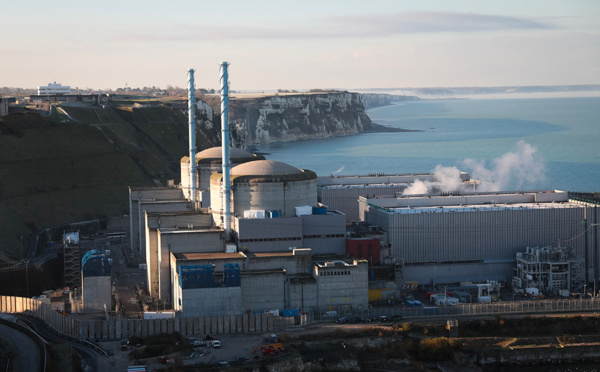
(298, 117)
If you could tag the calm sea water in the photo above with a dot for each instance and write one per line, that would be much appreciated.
(548, 143)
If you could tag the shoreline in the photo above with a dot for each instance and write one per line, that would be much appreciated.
(378, 128)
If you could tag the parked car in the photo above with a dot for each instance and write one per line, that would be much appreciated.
(343, 320)
(216, 344)
(382, 318)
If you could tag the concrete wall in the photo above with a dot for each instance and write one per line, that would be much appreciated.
(380, 179)
(153, 221)
(182, 241)
(263, 291)
(117, 328)
(292, 264)
(97, 293)
(140, 196)
(301, 294)
(324, 234)
(487, 235)
(269, 235)
(180, 220)
(3, 106)
(349, 289)
(211, 301)
(152, 267)
(464, 272)
(344, 199)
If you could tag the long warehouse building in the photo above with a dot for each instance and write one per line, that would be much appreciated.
(473, 237)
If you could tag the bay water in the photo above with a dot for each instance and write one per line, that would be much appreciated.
(522, 144)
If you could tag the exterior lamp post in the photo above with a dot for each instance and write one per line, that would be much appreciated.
(27, 277)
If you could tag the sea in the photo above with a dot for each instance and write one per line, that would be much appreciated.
(517, 143)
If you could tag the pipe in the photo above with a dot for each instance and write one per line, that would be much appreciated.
(225, 147)
(192, 138)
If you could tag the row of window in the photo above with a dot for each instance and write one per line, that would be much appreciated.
(270, 240)
(335, 273)
(324, 236)
(292, 238)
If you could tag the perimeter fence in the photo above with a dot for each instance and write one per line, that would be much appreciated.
(532, 307)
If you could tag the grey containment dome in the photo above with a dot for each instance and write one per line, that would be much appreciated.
(236, 156)
(266, 185)
(208, 162)
(269, 171)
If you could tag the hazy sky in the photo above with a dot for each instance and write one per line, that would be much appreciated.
(300, 44)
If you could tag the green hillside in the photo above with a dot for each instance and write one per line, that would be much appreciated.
(77, 164)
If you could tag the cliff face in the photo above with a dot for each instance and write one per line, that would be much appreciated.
(297, 117)
(372, 100)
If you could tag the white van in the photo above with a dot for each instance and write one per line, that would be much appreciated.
(330, 314)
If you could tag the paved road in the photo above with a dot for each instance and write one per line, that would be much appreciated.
(89, 357)
(28, 352)
(127, 281)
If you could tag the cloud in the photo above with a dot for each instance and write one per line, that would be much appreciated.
(435, 22)
(380, 25)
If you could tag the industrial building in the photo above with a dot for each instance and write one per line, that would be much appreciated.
(475, 237)
(151, 199)
(549, 269)
(341, 192)
(3, 106)
(72, 259)
(234, 283)
(53, 88)
(255, 235)
(275, 214)
(243, 234)
(96, 278)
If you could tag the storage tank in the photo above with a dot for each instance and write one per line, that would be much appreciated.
(208, 162)
(265, 185)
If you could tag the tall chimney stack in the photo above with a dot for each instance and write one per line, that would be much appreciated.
(192, 137)
(225, 147)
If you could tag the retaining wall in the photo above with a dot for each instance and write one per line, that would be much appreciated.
(116, 328)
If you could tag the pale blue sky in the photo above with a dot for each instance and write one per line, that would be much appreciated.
(300, 44)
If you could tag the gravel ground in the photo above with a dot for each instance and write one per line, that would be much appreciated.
(232, 345)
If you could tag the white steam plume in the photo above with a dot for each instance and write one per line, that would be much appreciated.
(447, 179)
(339, 170)
(512, 169)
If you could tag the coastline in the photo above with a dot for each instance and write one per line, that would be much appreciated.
(378, 128)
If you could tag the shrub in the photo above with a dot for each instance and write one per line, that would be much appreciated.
(435, 349)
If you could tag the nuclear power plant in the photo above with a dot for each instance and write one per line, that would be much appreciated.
(245, 234)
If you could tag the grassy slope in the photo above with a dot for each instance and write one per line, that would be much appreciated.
(57, 173)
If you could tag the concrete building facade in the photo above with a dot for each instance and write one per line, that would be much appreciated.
(53, 88)
(473, 237)
(341, 192)
(272, 281)
(323, 233)
(166, 220)
(157, 199)
(96, 279)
